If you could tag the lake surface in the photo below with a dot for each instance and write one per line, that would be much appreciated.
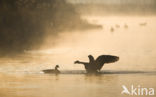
(134, 43)
(72, 85)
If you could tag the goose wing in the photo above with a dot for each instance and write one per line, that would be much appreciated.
(105, 59)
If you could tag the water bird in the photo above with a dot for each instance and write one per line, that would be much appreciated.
(112, 29)
(117, 26)
(143, 24)
(55, 71)
(125, 26)
(94, 66)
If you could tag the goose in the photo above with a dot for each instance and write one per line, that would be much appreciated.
(94, 66)
(112, 29)
(143, 24)
(117, 26)
(125, 26)
(56, 71)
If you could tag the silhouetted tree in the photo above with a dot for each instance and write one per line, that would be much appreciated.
(23, 23)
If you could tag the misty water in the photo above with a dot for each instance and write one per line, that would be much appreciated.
(130, 38)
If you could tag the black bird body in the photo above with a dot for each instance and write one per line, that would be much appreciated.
(51, 71)
(55, 71)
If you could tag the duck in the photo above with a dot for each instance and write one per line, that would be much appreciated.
(55, 71)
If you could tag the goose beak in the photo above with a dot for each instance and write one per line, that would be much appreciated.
(117, 58)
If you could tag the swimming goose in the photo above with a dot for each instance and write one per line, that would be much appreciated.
(56, 71)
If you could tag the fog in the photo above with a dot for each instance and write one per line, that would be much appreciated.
(115, 7)
(37, 35)
(25, 24)
(63, 32)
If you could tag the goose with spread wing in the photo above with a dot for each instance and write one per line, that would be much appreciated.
(94, 66)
